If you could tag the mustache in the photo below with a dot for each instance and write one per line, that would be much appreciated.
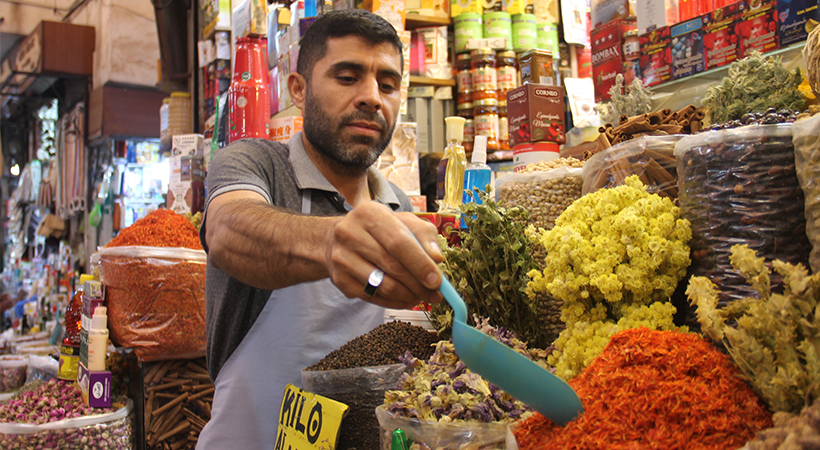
(363, 116)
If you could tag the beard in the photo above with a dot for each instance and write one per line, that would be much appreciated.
(355, 153)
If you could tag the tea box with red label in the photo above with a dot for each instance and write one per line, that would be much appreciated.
(607, 55)
(687, 48)
(793, 18)
(757, 27)
(720, 40)
(656, 57)
(536, 113)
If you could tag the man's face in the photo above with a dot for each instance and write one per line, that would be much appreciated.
(352, 101)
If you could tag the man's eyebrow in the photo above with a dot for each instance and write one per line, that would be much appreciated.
(358, 67)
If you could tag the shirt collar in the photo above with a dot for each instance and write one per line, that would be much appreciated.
(309, 177)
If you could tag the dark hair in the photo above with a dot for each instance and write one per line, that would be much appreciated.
(342, 23)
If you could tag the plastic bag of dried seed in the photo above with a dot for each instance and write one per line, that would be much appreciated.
(545, 195)
(362, 390)
(443, 435)
(738, 186)
(649, 157)
(156, 300)
(807, 165)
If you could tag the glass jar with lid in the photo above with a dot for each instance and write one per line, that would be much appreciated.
(485, 118)
(503, 126)
(632, 45)
(464, 76)
(507, 73)
(484, 74)
(465, 110)
(469, 135)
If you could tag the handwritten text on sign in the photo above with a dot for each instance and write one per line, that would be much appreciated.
(308, 421)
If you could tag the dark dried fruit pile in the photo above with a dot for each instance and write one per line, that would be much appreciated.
(770, 117)
(382, 346)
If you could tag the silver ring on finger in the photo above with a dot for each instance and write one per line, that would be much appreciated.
(373, 282)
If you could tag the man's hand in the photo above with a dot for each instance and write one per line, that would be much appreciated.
(402, 245)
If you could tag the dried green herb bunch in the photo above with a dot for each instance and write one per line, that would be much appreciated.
(754, 84)
(774, 339)
(489, 270)
(632, 100)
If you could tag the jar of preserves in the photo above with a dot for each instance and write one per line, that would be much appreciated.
(536, 67)
(464, 76)
(485, 118)
(484, 74)
(632, 45)
(464, 97)
(507, 73)
(469, 135)
(465, 110)
(503, 126)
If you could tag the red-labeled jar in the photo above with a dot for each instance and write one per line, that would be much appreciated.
(464, 75)
(249, 94)
(485, 117)
(465, 110)
(632, 45)
(503, 126)
(507, 73)
(469, 135)
(484, 74)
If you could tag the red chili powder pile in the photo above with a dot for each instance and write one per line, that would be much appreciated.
(161, 228)
(655, 390)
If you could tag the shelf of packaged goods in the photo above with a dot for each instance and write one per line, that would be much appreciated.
(413, 21)
(416, 80)
(677, 94)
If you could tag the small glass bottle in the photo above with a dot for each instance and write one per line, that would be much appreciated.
(485, 116)
(451, 168)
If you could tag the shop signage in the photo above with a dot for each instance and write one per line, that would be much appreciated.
(28, 56)
(308, 421)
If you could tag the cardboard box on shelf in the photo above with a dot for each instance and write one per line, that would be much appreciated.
(393, 11)
(95, 387)
(417, 54)
(536, 113)
(720, 41)
(283, 128)
(687, 48)
(607, 55)
(186, 196)
(655, 14)
(431, 8)
(436, 62)
(458, 7)
(605, 11)
(794, 17)
(188, 145)
(656, 57)
(757, 27)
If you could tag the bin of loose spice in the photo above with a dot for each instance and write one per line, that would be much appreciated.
(544, 189)
(154, 277)
(738, 186)
(651, 158)
(13, 369)
(807, 165)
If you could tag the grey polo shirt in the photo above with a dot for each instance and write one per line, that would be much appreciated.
(280, 174)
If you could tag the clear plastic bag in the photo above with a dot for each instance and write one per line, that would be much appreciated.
(362, 390)
(738, 186)
(104, 431)
(443, 435)
(43, 368)
(156, 300)
(649, 157)
(13, 369)
(807, 165)
(545, 195)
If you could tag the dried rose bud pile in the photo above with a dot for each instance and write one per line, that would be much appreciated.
(49, 402)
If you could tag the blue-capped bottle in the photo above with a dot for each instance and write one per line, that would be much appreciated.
(478, 174)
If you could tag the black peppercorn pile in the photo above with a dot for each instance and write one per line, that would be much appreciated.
(363, 390)
(770, 117)
(382, 346)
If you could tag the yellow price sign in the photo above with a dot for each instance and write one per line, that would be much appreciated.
(308, 421)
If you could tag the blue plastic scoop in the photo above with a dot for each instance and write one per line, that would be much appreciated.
(509, 370)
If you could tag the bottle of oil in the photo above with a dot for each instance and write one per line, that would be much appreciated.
(450, 180)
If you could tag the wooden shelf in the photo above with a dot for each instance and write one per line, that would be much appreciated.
(412, 21)
(424, 81)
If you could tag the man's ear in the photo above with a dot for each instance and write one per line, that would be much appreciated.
(298, 89)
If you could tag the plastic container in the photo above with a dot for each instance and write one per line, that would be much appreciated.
(650, 157)
(13, 369)
(545, 195)
(249, 94)
(109, 430)
(807, 164)
(498, 24)
(524, 32)
(164, 116)
(739, 186)
(362, 390)
(460, 435)
(156, 300)
(467, 26)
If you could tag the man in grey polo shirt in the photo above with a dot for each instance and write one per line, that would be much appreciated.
(306, 242)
